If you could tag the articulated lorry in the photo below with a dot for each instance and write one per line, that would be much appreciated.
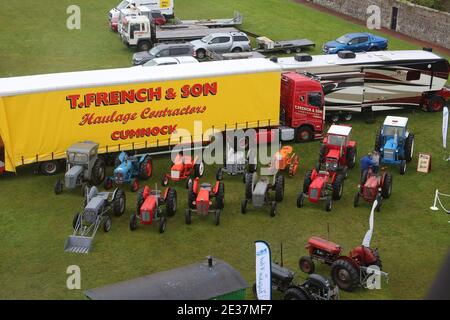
(133, 109)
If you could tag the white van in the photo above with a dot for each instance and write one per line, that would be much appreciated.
(165, 6)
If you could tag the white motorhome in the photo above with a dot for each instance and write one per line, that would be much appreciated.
(165, 6)
(381, 79)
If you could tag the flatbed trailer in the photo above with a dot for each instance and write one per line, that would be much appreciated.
(210, 23)
(213, 56)
(266, 45)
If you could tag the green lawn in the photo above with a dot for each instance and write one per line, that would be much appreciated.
(34, 223)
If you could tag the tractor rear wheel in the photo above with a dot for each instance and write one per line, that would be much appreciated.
(356, 200)
(162, 224)
(119, 203)
(307, 181)
(273, 209)
(188, 216)
(345, 275)
(328, 204)
(378, 141)
(306, 264)
(133, 222)
(220, 197)
(59, 186)
(75, 220)
(351, 157)
(300, 199)
(191, 197)
(386, 188)
(279, 188)
(244, 206)
(322, 153)
(199, 169)
(98, 172)
(364, 177)
(409, 147)
(295, 293)
(402, 167)
(107, 224)
(217, 217)
(248, 185)
(219, 174)
(171, 202)
(338, 187)
(146, 168)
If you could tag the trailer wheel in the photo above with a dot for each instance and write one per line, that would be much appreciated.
(244, 206)
(107, 224)
(84, 189)
(402, 167)
(133, 222)
(295, 293)
(338, 187)
(171, 202)
(162, 224)
(59, 186)
(98, 172)
(387, 186)
(119, 203)
(300, 199)
(298, 50)
(49, 168)
(304, 134)
(307, 181)
(217, 217)
(345, 275)
(248, 186)
(279, 188)
(75, 220)
(356, 200)
(144, 45)
(409, 147)
(146, 168)
(200, 53)
(220, 197)
(435, 103)
(188, 216)
(306, 265)
(273, 209)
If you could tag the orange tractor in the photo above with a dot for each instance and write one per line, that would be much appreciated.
(286, 159)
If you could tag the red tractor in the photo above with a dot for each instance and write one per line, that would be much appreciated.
(348, 272)
(373, 187)
(338, 152)
(200, 197)
(183, 168)
(149, 205)
(286, 159)
(321, 185)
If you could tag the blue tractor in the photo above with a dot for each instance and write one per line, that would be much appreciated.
(395, 143)
(129, 169)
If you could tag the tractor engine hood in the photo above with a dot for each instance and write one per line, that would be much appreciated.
(148, 208)
(334, 154)
(202, 201)
(315, 189)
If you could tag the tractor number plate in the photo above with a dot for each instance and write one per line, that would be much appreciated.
(175, 174)
(145, 216)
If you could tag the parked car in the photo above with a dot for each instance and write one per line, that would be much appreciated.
(356, 42)
(169, 60)
(221, 43)
(163, 50)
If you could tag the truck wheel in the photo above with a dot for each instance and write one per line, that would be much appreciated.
(171, 202)
(307, 181)
(49, 168)
(351, 157)
(345, 275)
(146, 168)
(279, 188)
(304, 134)
(356, 200)
(409, 147)
(387, 186)
(244, 206)
(300, 200)
(201, 54)
(119, 203)
(295, 293)
(75, 220)
(435, 103)
(217, 217)
(219, 174)
(273, 209)
(188, 216)
(144, 46)
(328, 204)
(139, 200)
(59, 186)
(199, 169)
(338, 187)
(107, 224)
(98, 172)
(402, 167)
(306, 265)
(191, 197)
(248, 186)
(133, 222)
(220, 197)
(162, 224)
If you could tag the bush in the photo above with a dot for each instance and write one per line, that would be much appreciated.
(435, 4)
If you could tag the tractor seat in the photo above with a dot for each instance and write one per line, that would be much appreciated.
(325, 245)
(206, 186)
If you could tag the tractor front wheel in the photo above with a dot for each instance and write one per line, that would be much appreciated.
(107, 224)
(133, 222)
(217, 217)
(108, 184)
(279, 188)
(435, 103)
(328, 204)
(379, 200)
(219, 174)
(273, 209)
(402, 167)
(306, 265)
(295, 293)
(188, 216)
(300, 200)
(119, 203)
(199, 169)
(244, 206)
(220, 197)
(162, 224)
(171, 202)
(165, 180)
(146, 168)
(345, 275)
(191, 197)
(59, 186)
(248, 186)
(76, 218)
(356, 200)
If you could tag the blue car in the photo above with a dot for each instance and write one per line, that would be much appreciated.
(356, 42)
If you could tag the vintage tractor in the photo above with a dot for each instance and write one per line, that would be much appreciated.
(183, 168)
(154, 206)
(98, 206)
(84, 168)
(321, 185)
(286, 159)
(338, 152)
(200, 196)
(257, 190)
(236, 162)
(395, 143)
(129, 169)
(374, 187)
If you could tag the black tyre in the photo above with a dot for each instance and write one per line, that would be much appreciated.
(134, 187)
(164, 180)
(251, 167)
(139, 200)
(217, 217)
(351, 157)
(59, 186)
(304, 134)
(107, 224)
(171, 202)
(108, 183)
(345, 275)
(49, 168)
(300, 200)
(133, 222)
(98, 172)
(162, 224)
(328, 204)
(273, 209)
(200, 54)
(75, 220)
(255, 293)
(322, 153)
(306, 265)
(356, 200)
(409, 147)
(307, 181)
(386, 189)
(279, 188)
(199, 169)
(402, 167)
(84, 189)
(220, 197)
(435, 103)
(338, 187)
(219, 174)
(144, 45)
(379, 202)
(378, 141)
(295, 293)
(236, 50)
(244, 206)
(191, 196)
(146, 168)
(364, 177)
(248, 186)
(188, 216)
(119, 203)
(117, 161)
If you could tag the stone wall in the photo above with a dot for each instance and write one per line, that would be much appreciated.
(412, 20)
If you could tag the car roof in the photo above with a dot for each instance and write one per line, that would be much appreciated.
(175, 59)
(173, 45)
(358, 34)
(340, 130)
(396, 121)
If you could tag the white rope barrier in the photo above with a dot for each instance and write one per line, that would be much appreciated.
(437, 201)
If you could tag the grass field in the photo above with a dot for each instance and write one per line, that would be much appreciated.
(34, 222)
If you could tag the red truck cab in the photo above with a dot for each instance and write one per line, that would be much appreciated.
(302, 105)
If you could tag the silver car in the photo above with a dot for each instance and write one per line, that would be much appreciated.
(221, 43)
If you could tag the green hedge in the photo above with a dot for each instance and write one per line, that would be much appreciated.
(435, 4)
